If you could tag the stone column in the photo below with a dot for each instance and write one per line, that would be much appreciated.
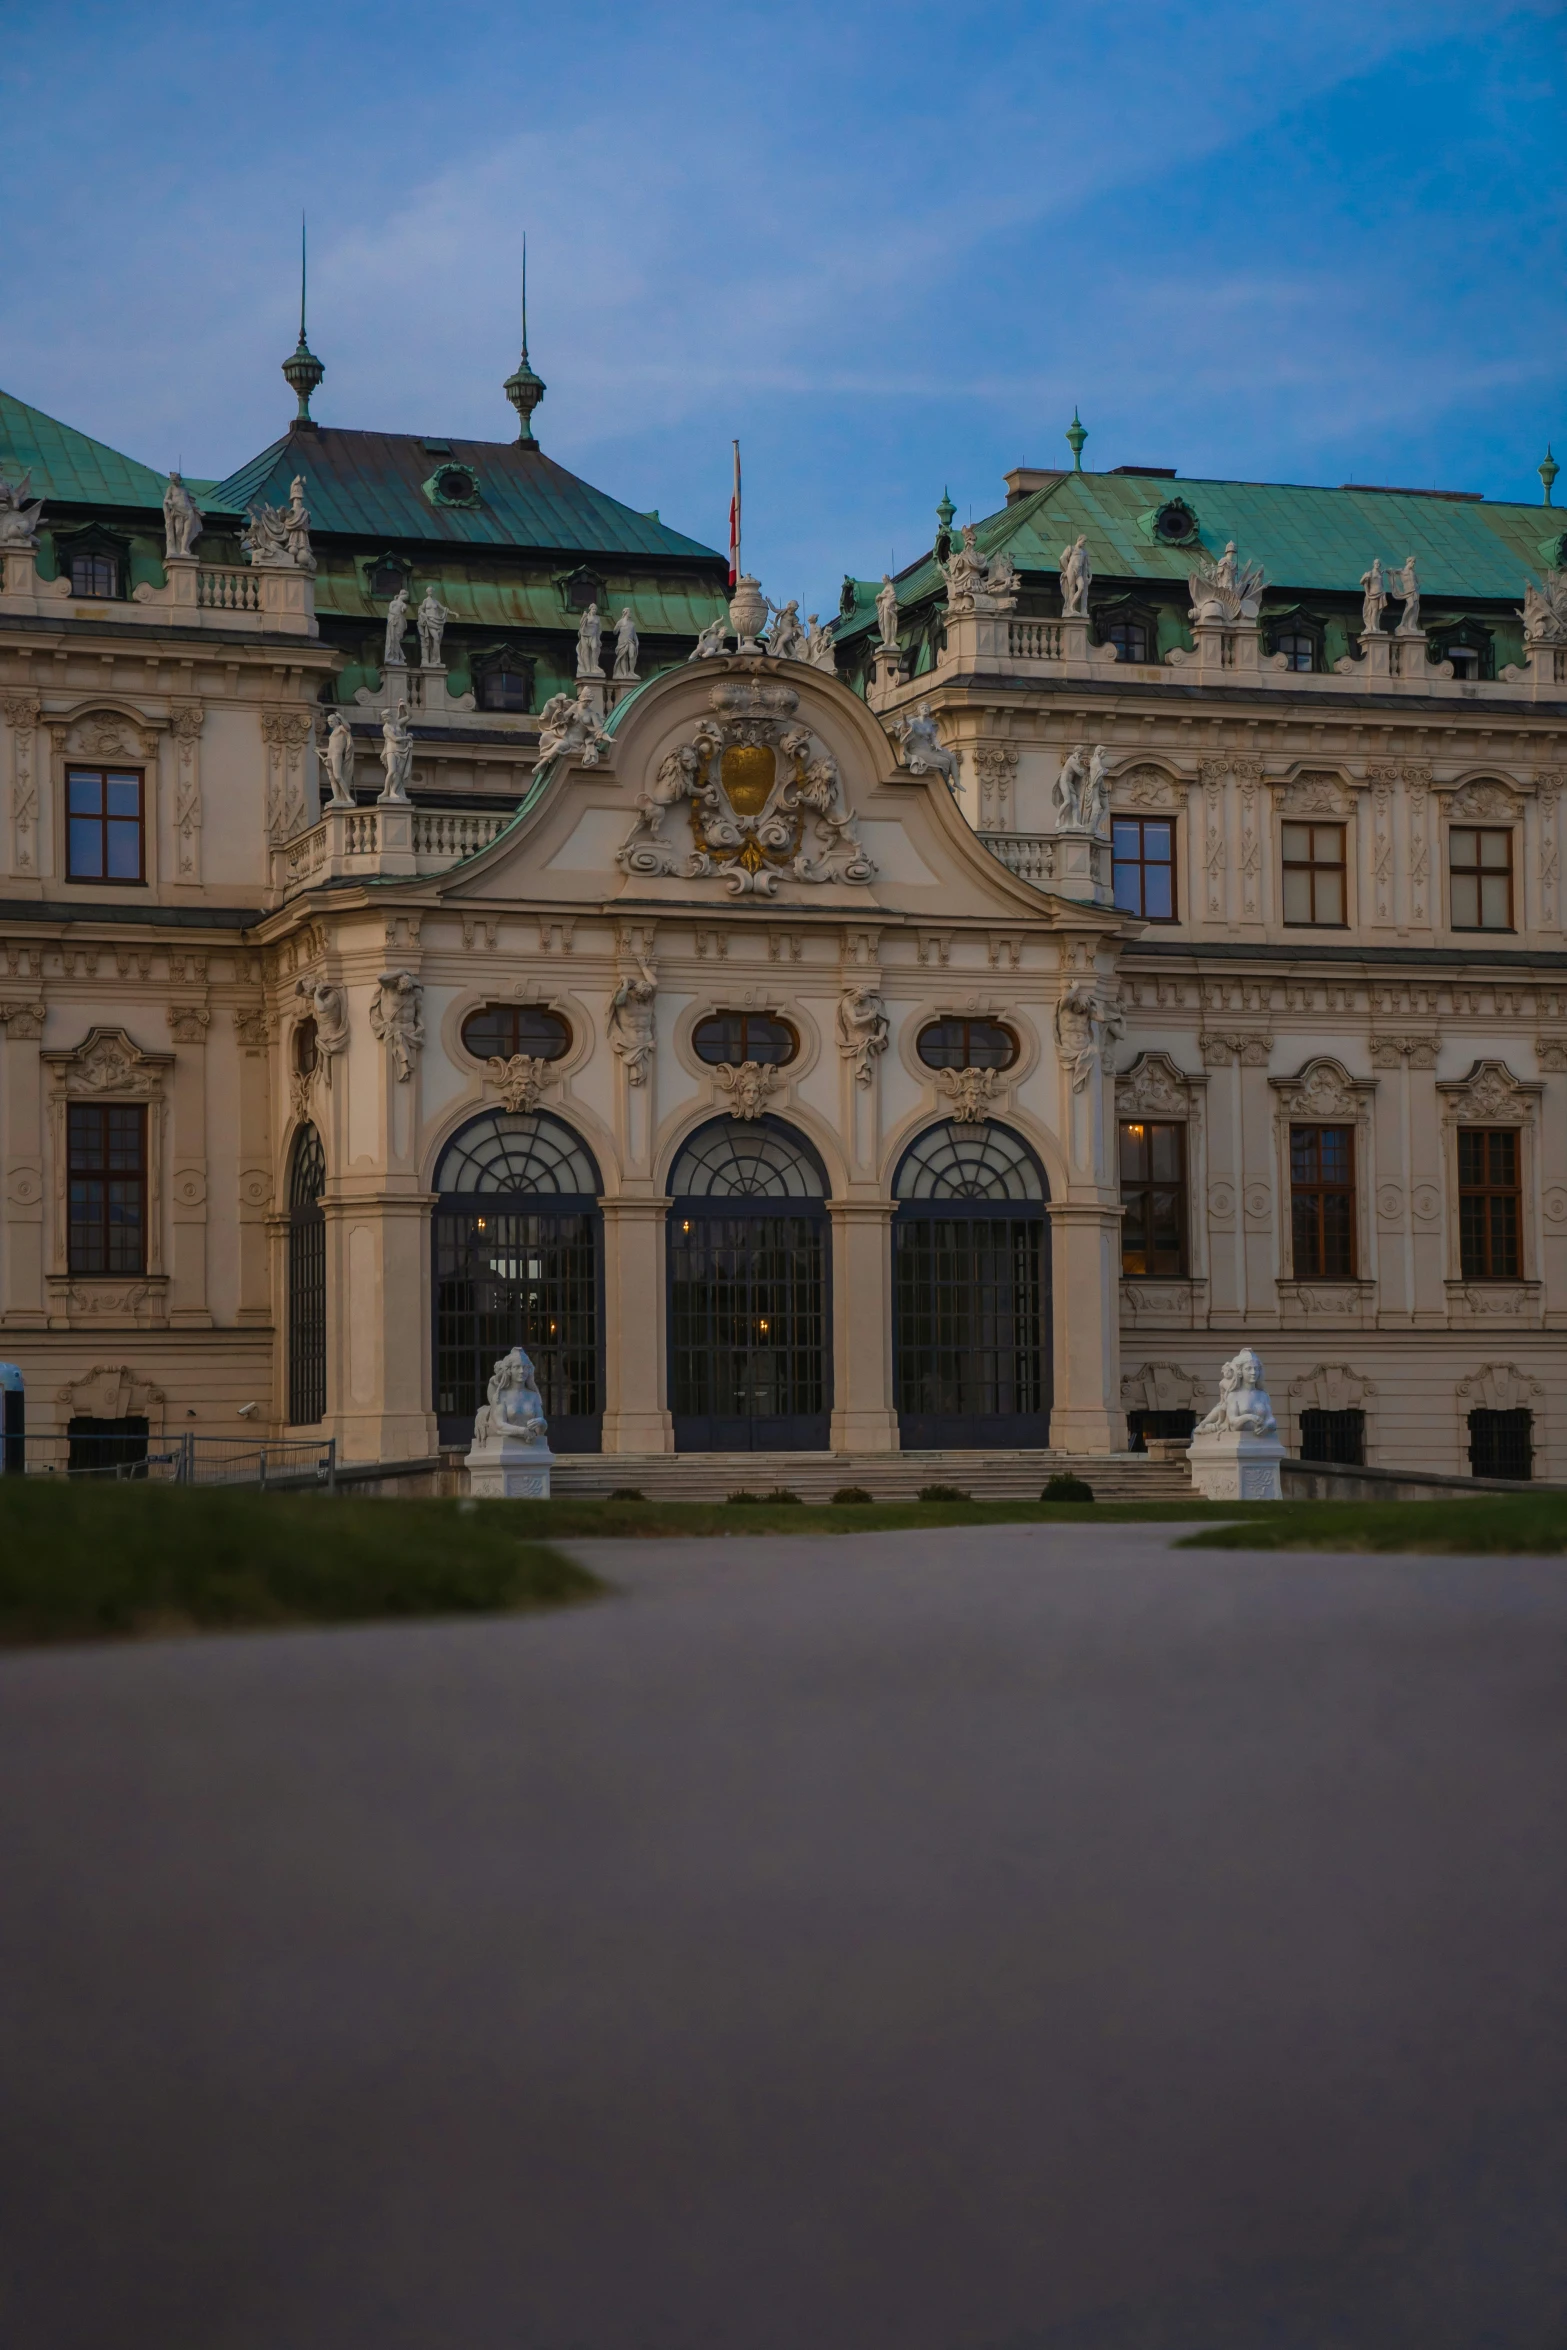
(22, 1145)
(636, 1348)
(1085, 1256)
(863, 1418)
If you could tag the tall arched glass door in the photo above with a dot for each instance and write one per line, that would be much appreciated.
(750, 1367)
(306, 1281)
(971, 1260)
(517, 1263)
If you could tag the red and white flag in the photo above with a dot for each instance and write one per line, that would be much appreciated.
(734, 524)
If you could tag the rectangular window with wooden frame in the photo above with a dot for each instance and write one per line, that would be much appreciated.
(1153, 1198)
(1142, 852)
(1313, 859)
(105, 836)
(1490, 1203)
(1480, 876)
(107, 1148)
(1322, 1202)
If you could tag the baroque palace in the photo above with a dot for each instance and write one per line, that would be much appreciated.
(438, 914)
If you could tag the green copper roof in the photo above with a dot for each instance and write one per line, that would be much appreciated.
(67, 466)
(482, 596)
(372, 486)
(1308, 541)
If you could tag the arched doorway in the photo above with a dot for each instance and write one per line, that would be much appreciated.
(518, 1263)
(306, 1280)
(971, 1266)
(750, 1364)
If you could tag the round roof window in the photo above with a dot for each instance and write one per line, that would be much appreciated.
(1175, 523)
(454, 485)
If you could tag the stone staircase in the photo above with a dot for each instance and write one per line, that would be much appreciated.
(886, 1476)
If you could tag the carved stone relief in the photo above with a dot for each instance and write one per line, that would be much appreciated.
(520, 1079)
(970, 1092)
(22, 712)
(185, 725)
(1492, 802)
(1153, 1087)
(285, 734)
(997, 765)
(750, 1087)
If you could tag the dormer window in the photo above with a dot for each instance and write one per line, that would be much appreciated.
(1175, 525)
(581, 589)
(1465, 660)
(1469, 647)
(505, 682)
(1129, 637)
(390, 573)
(1298, 649)
(94, 574)
(453, 485)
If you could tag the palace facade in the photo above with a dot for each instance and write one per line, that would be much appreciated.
(1132, 938)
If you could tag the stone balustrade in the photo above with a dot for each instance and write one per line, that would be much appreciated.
(1030, 855)
(374, 843)
(227, 591)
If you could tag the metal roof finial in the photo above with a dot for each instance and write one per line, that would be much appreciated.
(1548, 472)
(1077, 434)
(523, 388)
(303, 371)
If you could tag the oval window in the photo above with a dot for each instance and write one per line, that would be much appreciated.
(744, 1036)
(967, 1044)
(499, 1031)
(456, 484)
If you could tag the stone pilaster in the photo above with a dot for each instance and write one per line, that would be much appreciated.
(636, 1415)
(863, 1418)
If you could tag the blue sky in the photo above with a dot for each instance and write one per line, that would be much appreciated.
(889, 247)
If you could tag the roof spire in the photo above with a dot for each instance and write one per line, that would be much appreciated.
(522, 387)
(1548, 472)
(1077, 434)
(303, 371)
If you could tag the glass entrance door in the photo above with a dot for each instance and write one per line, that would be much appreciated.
(749, 1360)
(971, 1261)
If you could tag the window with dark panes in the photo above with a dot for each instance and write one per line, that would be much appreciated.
(1299, 649)
(1129, 637)
(966, 1044)
(499, 1031)
(95, 573)
(106, 1145)
(1489, 1204)
(388, 576)
(103, 819)
(506, 686)
(1313, 857)
(1143, 860)
(1480, 873)
(744, 1036)
(1153, 1197)
(1501, 1444)
(1334, 1436)
(1322, 1202)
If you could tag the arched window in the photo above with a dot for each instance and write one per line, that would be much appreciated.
(517, 1241)
(971, 1265)
(749, 1357)
(306, 1277)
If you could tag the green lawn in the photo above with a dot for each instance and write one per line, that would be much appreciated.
(559, 1519)
(80, 1560)
(1490, 1522)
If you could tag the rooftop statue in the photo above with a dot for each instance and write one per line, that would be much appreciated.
(265, 539)
(975, 585)
(397, 757)
(296, 526)
(1544, 612)
(786, 639)
(711, 641)
(433, 616)
(1374, 600)
(590, 636)
(924, 752)
(627, 645)
(396, 628)
(181, 521)
(1226, 591)
(571, 727)
(18, 518)
(340, 760)
(1076, 573)
(1409, 588)
(887, 613)
(819, 650)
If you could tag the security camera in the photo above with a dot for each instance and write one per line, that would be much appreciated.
(246, 1409)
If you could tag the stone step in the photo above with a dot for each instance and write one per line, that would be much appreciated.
(886, 1476)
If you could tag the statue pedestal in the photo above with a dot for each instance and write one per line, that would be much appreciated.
(1082, 866)
(620, 687)
(508, 1468)
(1227, 1466)
(594, 685)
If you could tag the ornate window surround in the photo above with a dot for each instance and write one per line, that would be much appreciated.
(1324, 795)
(96, 733)
(1323, 1093)
(1497, 802)
(107, 1066)
(1155, 1086)
(1491, 1095)
(1502, 1387)
(542, 1077)
(1330, 1387)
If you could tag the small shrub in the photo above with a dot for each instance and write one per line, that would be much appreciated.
(627, 1493)
(782, 1493)
(751, 1497)
(943, 1493)
(852, 1493)
(1065, 1488)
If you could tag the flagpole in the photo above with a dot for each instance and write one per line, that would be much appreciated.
(734, 522)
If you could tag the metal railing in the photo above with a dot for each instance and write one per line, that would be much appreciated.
(184, 1459)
